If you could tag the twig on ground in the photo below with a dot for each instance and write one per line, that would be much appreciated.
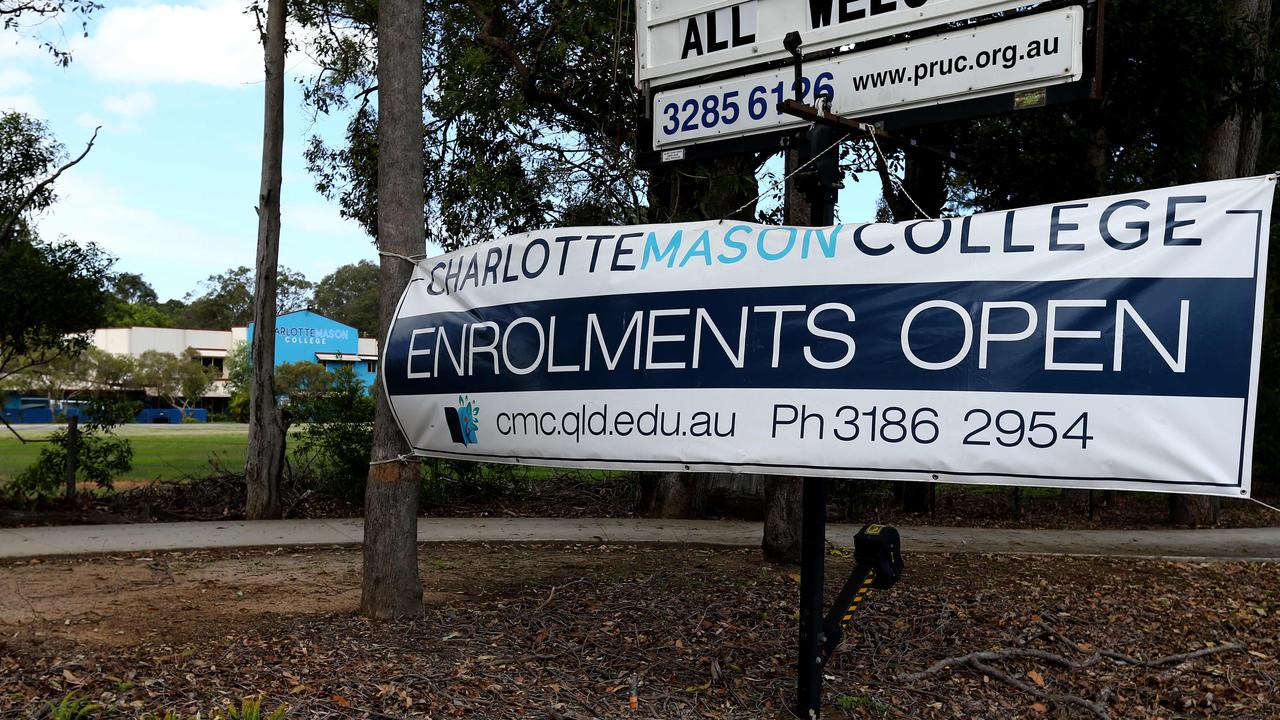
(980, 661)
(1129, 660)
(554, 588)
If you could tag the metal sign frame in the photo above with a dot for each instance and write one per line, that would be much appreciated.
(1089, 87)
(743, 46)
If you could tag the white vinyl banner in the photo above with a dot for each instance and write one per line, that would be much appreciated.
(1031, 52)
(1109, 343)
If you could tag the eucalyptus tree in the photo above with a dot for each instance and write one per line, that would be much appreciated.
(264, 460)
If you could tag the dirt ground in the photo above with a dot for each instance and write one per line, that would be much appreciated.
(554, 631)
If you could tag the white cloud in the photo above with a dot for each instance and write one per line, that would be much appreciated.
(89, 121)
(17, 46)
(133, 105)
(315, 218)
(212, 42)
(13, 78)
(173, 254)
(22, 103)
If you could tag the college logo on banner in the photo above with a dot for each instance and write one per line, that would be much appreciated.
(1105, 343)
(463, 421)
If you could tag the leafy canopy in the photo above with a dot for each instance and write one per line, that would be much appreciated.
(350, 296)
(529, 114)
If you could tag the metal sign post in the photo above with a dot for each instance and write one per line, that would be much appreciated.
(877, 549)
(813, 542)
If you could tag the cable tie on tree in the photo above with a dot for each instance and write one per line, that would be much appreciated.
(398, 458)
(414, 259)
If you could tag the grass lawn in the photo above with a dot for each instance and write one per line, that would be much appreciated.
(159, 452)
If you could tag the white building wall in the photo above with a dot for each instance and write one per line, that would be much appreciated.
(137, 340)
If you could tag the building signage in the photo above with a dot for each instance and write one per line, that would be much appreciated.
(1029, 52)
(1105, 343)
(682, 39)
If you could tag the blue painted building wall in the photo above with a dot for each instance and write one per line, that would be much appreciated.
(302, 333)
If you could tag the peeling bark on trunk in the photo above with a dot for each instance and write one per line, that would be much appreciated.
(264, 461)
(391, 586)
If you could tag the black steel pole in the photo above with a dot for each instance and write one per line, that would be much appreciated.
(813, 542)
(826, 170)
(813, 534)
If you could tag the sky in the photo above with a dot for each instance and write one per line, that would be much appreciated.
(171, 183)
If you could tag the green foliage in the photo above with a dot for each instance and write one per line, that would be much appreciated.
(301, 386)
(19, 15)
(445, 480)
(337, 440)
(28, 153)
(1173, 70)
(71, 707)
(134, 303)
(226, 299)
(530, 115)
(180, 379)
(350, 296)
(33, 328)
(251, 709)
(100, 456)
(850, 703)
(238, 368)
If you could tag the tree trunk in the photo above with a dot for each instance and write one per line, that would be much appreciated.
(782, 507)
(73, 457)
(264, 461)
(672, 495)
(1232, 147)
(1231, 150)
(1194, 510)
(391, 586)
(782, 519)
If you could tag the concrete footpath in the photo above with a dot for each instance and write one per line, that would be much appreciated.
(1235, 544)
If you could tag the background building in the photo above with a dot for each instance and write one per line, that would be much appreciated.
(301, 336)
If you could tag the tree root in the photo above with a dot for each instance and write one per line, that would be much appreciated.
(981, 662)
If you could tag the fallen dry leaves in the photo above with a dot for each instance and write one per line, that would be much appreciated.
(525, 631)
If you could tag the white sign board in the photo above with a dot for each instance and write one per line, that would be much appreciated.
(1024, 53)
(682, 39)
(1106, 343)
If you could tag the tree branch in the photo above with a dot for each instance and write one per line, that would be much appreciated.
(528, 82)
(7, 230)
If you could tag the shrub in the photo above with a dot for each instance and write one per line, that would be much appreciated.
(100, 455)
(444, 480)
(335, 443)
